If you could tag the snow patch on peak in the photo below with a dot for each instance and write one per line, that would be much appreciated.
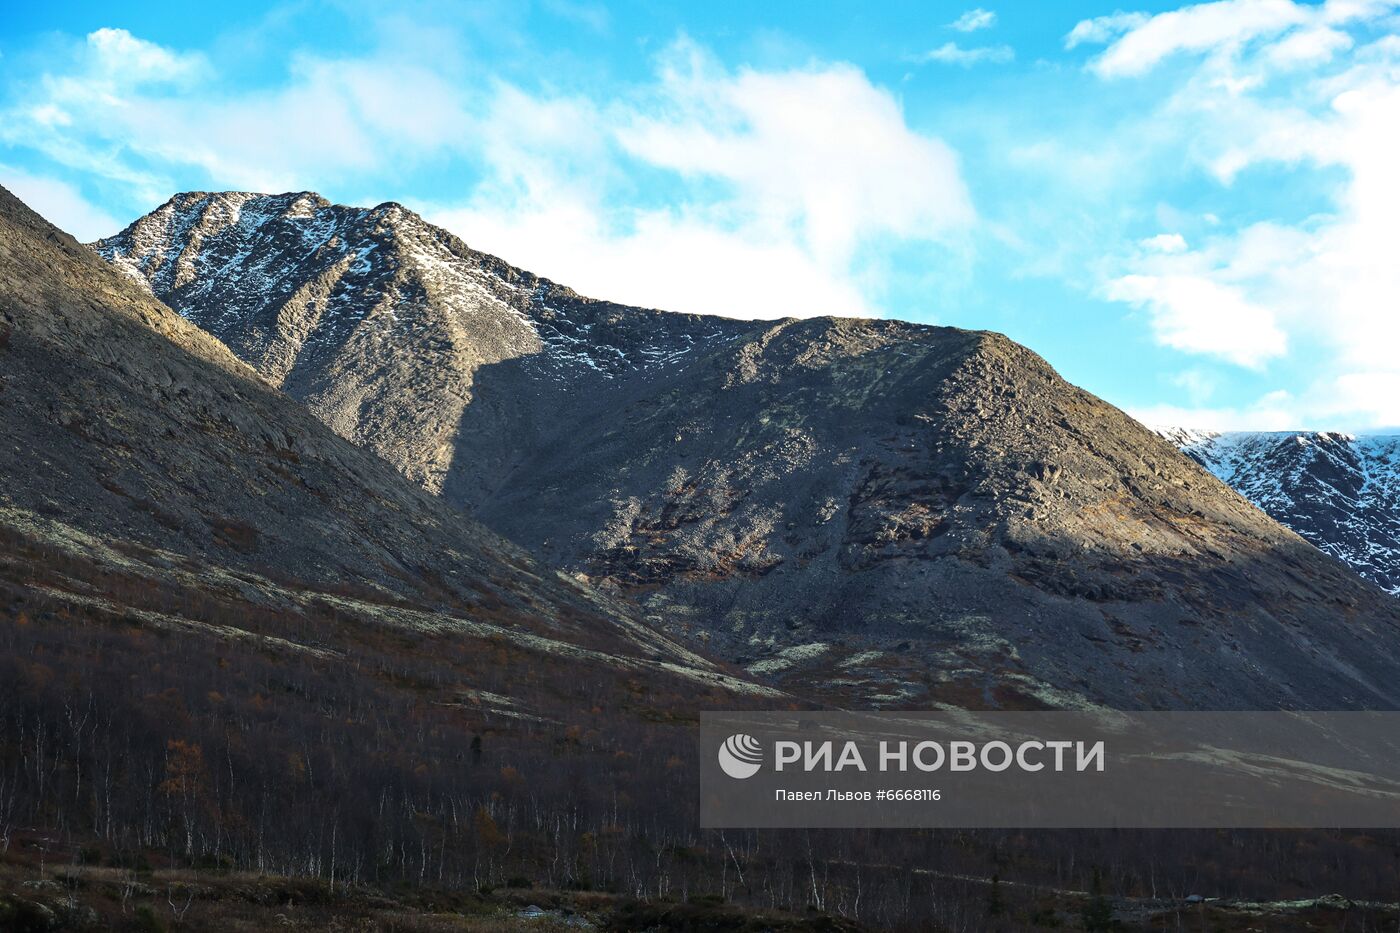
(256, 269)
(305, 206)
(1185, 437)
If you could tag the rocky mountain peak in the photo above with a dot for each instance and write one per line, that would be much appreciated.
(376, 311)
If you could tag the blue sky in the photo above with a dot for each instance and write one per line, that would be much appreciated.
(1189, 210)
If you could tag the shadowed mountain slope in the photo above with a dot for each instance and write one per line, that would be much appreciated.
(266, 650)
(134, 440)
(887, 512)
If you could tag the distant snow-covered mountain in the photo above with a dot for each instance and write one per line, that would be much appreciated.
(1339, 491)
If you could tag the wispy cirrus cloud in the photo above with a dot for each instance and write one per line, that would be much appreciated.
(135, 113)
(117, 59)
(592, 16)
(950, 53)
(1297, 86)
(776, 182)
(1139, 42)
(973, 20)
(1102, 29)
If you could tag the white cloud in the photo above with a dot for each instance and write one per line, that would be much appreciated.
(973, 20)
(1372, 398)
(1199, 315)
(121, 57)
(1194, 29)
(662, 259)
(1355, 401)
(1224, 27)
(67, 113)
(1309, 47)
(769, 192)
(1336, 12)
(334, 117)
(1103, 29)
(123, 96)
(950, 53)
(59, 203)
(1331, 279)
(1283, 87)
(783, 178)
(780, 178)
(1276, 411)
(1165, 243)
(822, 150)
(593, 16)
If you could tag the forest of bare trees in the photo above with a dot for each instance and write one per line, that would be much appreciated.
(378, 763)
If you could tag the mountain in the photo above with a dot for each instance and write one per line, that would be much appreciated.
(1339, 491)
(123, 421)
(231, 638)
(381, 322)
(875, 512)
